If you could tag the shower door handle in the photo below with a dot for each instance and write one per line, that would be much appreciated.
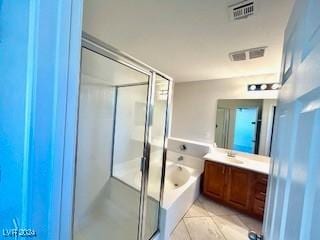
(143, 159)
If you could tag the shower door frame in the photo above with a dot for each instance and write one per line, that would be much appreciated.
(115, 119)
(95, 45)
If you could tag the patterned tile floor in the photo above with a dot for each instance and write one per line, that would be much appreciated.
(207, 220)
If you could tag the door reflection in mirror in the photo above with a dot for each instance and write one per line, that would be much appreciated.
(245, 125)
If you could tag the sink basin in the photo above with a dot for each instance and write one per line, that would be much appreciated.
(235, 160)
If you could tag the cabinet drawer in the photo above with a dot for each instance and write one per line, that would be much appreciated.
(258, 207)
(260, 191)
(262, 179)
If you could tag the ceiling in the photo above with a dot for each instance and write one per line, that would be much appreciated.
(191, 40)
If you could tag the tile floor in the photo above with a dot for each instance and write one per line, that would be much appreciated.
(207, 220)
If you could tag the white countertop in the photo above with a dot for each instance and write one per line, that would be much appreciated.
(251, 162)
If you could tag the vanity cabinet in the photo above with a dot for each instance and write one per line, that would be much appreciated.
(242, 189)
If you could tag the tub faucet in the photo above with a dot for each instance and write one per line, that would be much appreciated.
(180, 158)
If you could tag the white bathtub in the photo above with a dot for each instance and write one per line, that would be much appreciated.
(182, 188)
(178, 179)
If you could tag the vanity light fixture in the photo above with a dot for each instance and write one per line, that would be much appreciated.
(264, 86)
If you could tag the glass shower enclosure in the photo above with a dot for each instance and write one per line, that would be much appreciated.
(121, 145)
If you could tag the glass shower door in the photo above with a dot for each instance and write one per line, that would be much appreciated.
(157, 137)
(110, 144)
(121, 146)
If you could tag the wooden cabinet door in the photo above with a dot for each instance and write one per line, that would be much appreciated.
(238, 190)
(214, 180)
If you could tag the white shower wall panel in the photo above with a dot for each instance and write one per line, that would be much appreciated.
(94, 143)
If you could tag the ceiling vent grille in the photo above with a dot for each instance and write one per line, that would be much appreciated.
(247, 54)
(242, 9)
(256, 52)
(238, 56)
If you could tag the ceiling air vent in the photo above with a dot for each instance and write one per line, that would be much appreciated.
(247, 54)
(238, 56)
(242, 9)
(256, 52)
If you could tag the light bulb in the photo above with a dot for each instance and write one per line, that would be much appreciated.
(275, 86)
(263, 87)
(253, 87)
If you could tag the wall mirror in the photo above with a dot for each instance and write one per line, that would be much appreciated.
(245, 125)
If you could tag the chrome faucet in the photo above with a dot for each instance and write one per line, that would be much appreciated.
(231, 154)
(180, 158)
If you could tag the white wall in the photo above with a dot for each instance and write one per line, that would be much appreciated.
(130, 124)
(195, 104)
(96, 105)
